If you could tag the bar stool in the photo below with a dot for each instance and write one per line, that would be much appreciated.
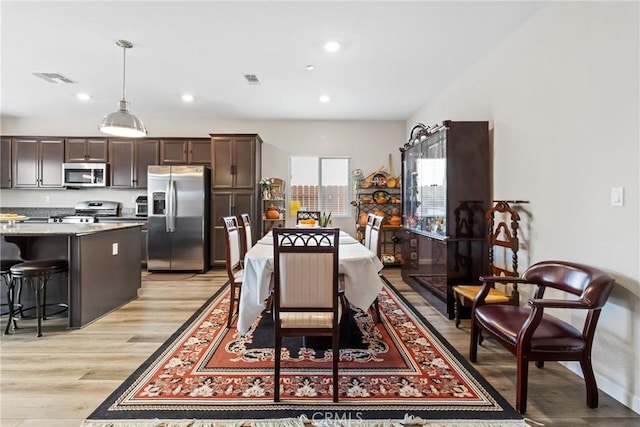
(5, 276)
(37, 273)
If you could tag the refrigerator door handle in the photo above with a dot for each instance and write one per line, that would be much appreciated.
(171, 206)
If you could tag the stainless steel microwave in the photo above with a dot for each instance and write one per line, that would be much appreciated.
(84, 174)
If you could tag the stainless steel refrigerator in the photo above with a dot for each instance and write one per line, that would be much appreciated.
(179, 224)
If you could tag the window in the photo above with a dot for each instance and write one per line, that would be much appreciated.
(320, 184)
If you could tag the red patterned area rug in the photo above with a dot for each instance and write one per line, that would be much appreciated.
(397, 372)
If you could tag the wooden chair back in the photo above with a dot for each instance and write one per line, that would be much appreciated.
(233, 262)
(247, 233)
(306, 296)
(300, 215)
(367, 230)
(374, 239)
(502, 240)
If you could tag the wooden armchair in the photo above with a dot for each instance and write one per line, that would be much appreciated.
(306, 296)
(533, 335)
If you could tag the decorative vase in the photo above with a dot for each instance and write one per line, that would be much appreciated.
(272, 212)
(266, 194)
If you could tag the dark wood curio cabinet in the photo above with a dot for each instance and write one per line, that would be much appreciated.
(446, 188)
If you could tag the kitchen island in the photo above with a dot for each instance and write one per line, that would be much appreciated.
(104, 264)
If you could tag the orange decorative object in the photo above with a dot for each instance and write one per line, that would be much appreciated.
(272, 212)
(395, 221)
(362, 219)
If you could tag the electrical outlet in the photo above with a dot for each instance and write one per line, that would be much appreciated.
(114, 249)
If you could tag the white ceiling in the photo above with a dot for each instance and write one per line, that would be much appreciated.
(395, 55)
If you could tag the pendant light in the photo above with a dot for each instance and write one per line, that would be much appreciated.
(122, 122)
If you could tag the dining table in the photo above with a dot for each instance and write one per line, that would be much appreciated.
(359, 266)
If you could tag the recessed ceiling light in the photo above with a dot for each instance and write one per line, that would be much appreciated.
(310, 67)
(325, 98)
(83, 96)
(187, 97)
(332, 46)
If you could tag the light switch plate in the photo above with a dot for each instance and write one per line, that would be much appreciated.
(617, 196)
(114, 249)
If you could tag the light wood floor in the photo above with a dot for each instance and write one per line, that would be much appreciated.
(59, 379)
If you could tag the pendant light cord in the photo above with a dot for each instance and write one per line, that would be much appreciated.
(124, 70)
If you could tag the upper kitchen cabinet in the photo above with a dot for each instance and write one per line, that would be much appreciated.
(37, 162)
(86, 150)
(5, 163)
(130, 160)
(185, 151)
(236, 161)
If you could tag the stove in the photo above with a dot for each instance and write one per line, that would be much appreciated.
(88, 212)
(72, 219)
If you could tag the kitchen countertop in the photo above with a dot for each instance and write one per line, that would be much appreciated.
(40, 229)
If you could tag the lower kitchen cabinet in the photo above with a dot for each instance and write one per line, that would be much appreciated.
(226, 203)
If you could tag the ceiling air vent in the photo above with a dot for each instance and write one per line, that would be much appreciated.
(252, 79)
(53, 77)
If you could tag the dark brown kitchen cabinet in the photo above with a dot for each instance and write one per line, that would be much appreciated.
(225, 203)
(130, 160)
(236, 161)
(236, 166)
(5, 163)
(37, 162)
(93, 150)
(185, 151)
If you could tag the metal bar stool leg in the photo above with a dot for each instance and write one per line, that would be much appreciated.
(10, 283)
(34, 282)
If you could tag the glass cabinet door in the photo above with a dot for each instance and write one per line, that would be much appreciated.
(425, 186)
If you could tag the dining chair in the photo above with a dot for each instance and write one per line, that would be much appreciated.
(303, 215)
(533, 335)
(367, 230)
(502, 244)
(235, 271)
(374, 246)
(307, 300)
(245, 220)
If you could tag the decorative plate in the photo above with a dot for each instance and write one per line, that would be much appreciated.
(379, 180)
(380, 194)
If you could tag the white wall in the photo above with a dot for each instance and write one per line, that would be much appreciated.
(562, 97)
(368, 143)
